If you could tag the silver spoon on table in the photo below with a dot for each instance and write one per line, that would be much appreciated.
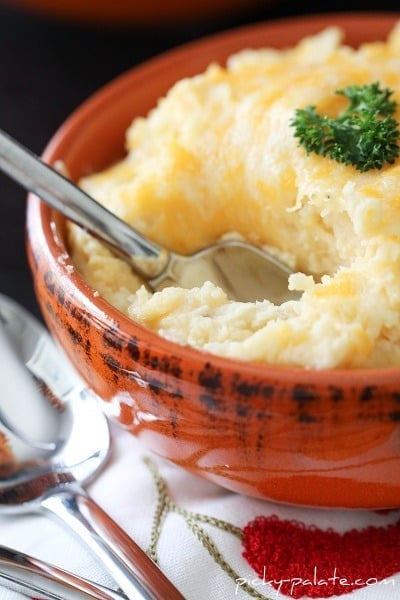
(26, 574)
(59, 440)
(245, 272)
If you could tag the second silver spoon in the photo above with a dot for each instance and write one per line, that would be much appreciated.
(58, 440)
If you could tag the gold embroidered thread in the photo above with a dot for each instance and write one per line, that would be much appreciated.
(165, 505)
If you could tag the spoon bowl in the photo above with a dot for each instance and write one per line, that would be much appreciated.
(48, 476)
(245, 272)
(61, 405)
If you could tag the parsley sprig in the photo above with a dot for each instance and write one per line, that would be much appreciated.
(365, 135)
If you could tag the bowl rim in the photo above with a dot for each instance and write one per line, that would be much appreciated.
(104, 311)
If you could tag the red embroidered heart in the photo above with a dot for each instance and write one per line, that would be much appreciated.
(307, 561)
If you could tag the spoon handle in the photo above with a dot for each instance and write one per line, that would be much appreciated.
(24, 573)
(27, 169)
(136, 574)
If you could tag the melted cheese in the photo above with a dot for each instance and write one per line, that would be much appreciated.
(217, 155)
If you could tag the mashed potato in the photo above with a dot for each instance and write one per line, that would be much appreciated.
(217, 155)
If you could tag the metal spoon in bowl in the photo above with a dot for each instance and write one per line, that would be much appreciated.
(245, 272)
(57, 440)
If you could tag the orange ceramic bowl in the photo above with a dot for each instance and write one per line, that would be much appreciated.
(326, 438)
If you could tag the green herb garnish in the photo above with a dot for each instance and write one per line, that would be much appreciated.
(365, 135)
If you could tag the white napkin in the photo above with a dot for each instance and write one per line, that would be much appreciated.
(126, 490)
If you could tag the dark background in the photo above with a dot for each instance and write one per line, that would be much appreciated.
(48, 67)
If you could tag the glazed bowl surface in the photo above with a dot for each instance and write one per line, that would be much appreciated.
(327, 438)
